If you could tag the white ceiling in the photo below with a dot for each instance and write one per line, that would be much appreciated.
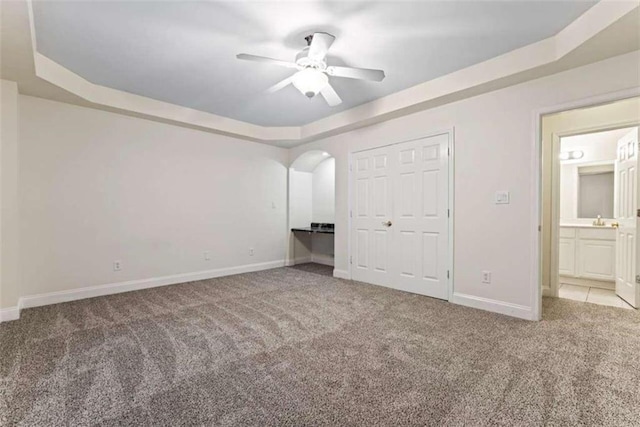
(184, 52)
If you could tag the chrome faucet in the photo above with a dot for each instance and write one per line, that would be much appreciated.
(599, 222)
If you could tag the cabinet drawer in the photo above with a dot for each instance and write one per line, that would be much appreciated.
(567, 232)
(597, 233)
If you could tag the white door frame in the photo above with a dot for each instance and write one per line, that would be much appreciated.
(536, 188)
(450, 203)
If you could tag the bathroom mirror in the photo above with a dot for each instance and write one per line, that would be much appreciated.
(596, 191)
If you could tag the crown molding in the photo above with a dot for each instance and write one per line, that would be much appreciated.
(447, 88)
(62, 77)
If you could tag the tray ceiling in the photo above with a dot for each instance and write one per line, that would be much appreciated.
(184, 52)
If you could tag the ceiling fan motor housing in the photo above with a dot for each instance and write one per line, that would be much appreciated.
(303, 61)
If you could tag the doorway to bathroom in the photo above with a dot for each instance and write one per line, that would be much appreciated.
(597, 186)
(590, 210)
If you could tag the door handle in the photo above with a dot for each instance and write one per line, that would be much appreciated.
(387, 223)
(615, 224)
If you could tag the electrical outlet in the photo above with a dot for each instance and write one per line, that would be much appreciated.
(486, 277)
(250, 251)
(207, 255)
(117, 265)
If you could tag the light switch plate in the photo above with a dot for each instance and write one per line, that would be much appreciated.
(502, 197)
(486, 277)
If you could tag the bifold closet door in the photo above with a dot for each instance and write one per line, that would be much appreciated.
(400, 235)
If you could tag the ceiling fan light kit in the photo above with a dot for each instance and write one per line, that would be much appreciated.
(310, 81)
(312, 76)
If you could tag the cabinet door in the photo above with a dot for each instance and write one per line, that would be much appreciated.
(567, 266)
(597, 259)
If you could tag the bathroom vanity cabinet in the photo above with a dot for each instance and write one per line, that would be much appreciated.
(587, 252)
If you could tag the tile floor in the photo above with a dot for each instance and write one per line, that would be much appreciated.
(592, 295)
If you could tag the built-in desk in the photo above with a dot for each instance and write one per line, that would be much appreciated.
(316, 228)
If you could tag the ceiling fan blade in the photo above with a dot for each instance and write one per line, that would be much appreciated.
(281, 85)
(320, 44)
(266, 60)
(356, 73)
(330, 96)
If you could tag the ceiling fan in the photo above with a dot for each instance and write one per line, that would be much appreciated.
(313, 72)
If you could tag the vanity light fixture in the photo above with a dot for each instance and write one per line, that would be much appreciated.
(571, 155)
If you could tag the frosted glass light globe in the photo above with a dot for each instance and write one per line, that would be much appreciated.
(310, 81)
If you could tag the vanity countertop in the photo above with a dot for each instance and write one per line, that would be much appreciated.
(586, 226)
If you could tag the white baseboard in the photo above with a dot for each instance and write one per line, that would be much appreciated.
(322, 259)
(501, 307)
(300, 260)
(10, 313)
(341, 274)
(132, 285)
(317, 258)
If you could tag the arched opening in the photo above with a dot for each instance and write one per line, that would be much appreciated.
(311, 209)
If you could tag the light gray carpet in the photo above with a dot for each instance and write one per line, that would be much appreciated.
(289, 347)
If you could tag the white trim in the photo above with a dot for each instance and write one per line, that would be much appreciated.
(536, 226)
(536, 179)
(10, 313)
(346, 274)
(300, 260)
(341, 274)
(500, 307)
(554, 260)
(322, 259)
(13, 313)
(451, 222)
(417, 138)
